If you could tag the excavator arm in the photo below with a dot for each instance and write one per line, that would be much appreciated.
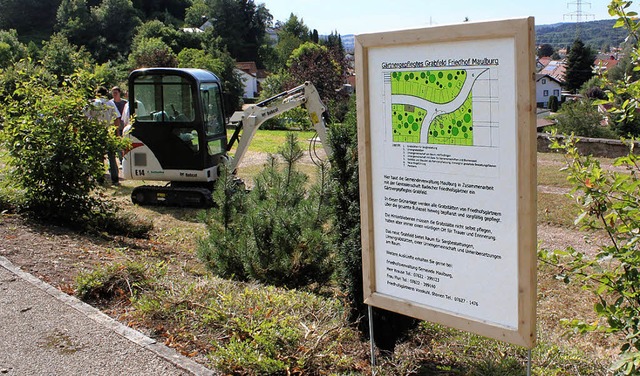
(252, 118)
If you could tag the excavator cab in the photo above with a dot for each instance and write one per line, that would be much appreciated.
(179, 135)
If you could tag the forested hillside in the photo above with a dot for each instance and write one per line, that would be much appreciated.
(596, 34)
(112, 37)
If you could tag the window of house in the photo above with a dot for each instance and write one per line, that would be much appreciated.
(544, 81)
(556, 92)
(545, 93)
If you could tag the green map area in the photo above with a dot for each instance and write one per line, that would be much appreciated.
(454, 128)
(436, 90)
(407, 122)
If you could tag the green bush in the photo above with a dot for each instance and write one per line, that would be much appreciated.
(553, 103)
(277, 233)
(609, 201)
(389, 327)
(55, 153)
(582, 118)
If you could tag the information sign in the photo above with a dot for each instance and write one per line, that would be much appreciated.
(447, 145)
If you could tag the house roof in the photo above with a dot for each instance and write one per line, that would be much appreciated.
(248, 67)
(544, 61)
(262, 73)
(539, 76)
(555, 69)
(605, 63)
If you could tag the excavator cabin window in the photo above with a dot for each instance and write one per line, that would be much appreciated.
(213, 118)
(165, 98)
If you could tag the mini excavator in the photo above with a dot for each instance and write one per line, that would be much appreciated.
(180, 134)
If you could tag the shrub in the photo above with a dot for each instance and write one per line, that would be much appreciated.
(553, 103)
(113, 281)
(277, 233)
(55, 152)
(609, 201)
(582, 118)
(389, 327)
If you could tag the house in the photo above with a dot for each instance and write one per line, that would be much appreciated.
(251, 76)
(604, 63)
(546, 86)
(555, 69)
(542, 62)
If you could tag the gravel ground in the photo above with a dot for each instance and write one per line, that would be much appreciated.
(45, 332)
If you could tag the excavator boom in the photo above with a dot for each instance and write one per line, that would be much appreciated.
(250, 120)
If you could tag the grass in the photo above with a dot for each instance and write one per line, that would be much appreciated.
(556, 209)
(270, 141)
(250, 329)
(260, 329)
(552, 175)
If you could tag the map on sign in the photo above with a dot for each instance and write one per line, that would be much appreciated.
(436, 106)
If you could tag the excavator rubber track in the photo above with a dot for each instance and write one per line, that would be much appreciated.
(193, 197)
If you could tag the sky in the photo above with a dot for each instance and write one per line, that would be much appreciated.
(370, 16)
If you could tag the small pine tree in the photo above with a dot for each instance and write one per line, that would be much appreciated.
(275, 234)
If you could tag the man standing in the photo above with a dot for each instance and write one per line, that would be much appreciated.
(120, 102)
(105, 111)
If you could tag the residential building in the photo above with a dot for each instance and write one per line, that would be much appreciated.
(604, 63)
(546, 86)
(251, 76)
(555, 69)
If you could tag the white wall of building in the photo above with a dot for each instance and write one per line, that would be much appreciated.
(545, 88)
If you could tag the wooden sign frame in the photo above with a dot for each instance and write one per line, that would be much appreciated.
(520, 73)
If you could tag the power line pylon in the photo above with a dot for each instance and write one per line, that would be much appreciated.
(578, 15)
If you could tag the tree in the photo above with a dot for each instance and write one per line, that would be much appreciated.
(157, 29)
(241, 25)
(312, 62)
(164, 10)
(11, 50)
(582, 118)
(152, 52)
(62, 58)
(592, 89)
(171, 36)
(278, 232)
(222, 65)
(28, 17)
(196, 14)
(296, 28)
(579, 66)
(389, 327)
(545, 50)
(336, 49)
(74, 21)
(287, 43)
(116, 22)
(56, 152)
(608, 199)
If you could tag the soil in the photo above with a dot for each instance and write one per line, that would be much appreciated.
(57, 255)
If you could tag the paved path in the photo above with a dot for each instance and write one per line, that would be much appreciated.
(46, 332)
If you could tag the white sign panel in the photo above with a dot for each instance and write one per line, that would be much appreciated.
(443, 152)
